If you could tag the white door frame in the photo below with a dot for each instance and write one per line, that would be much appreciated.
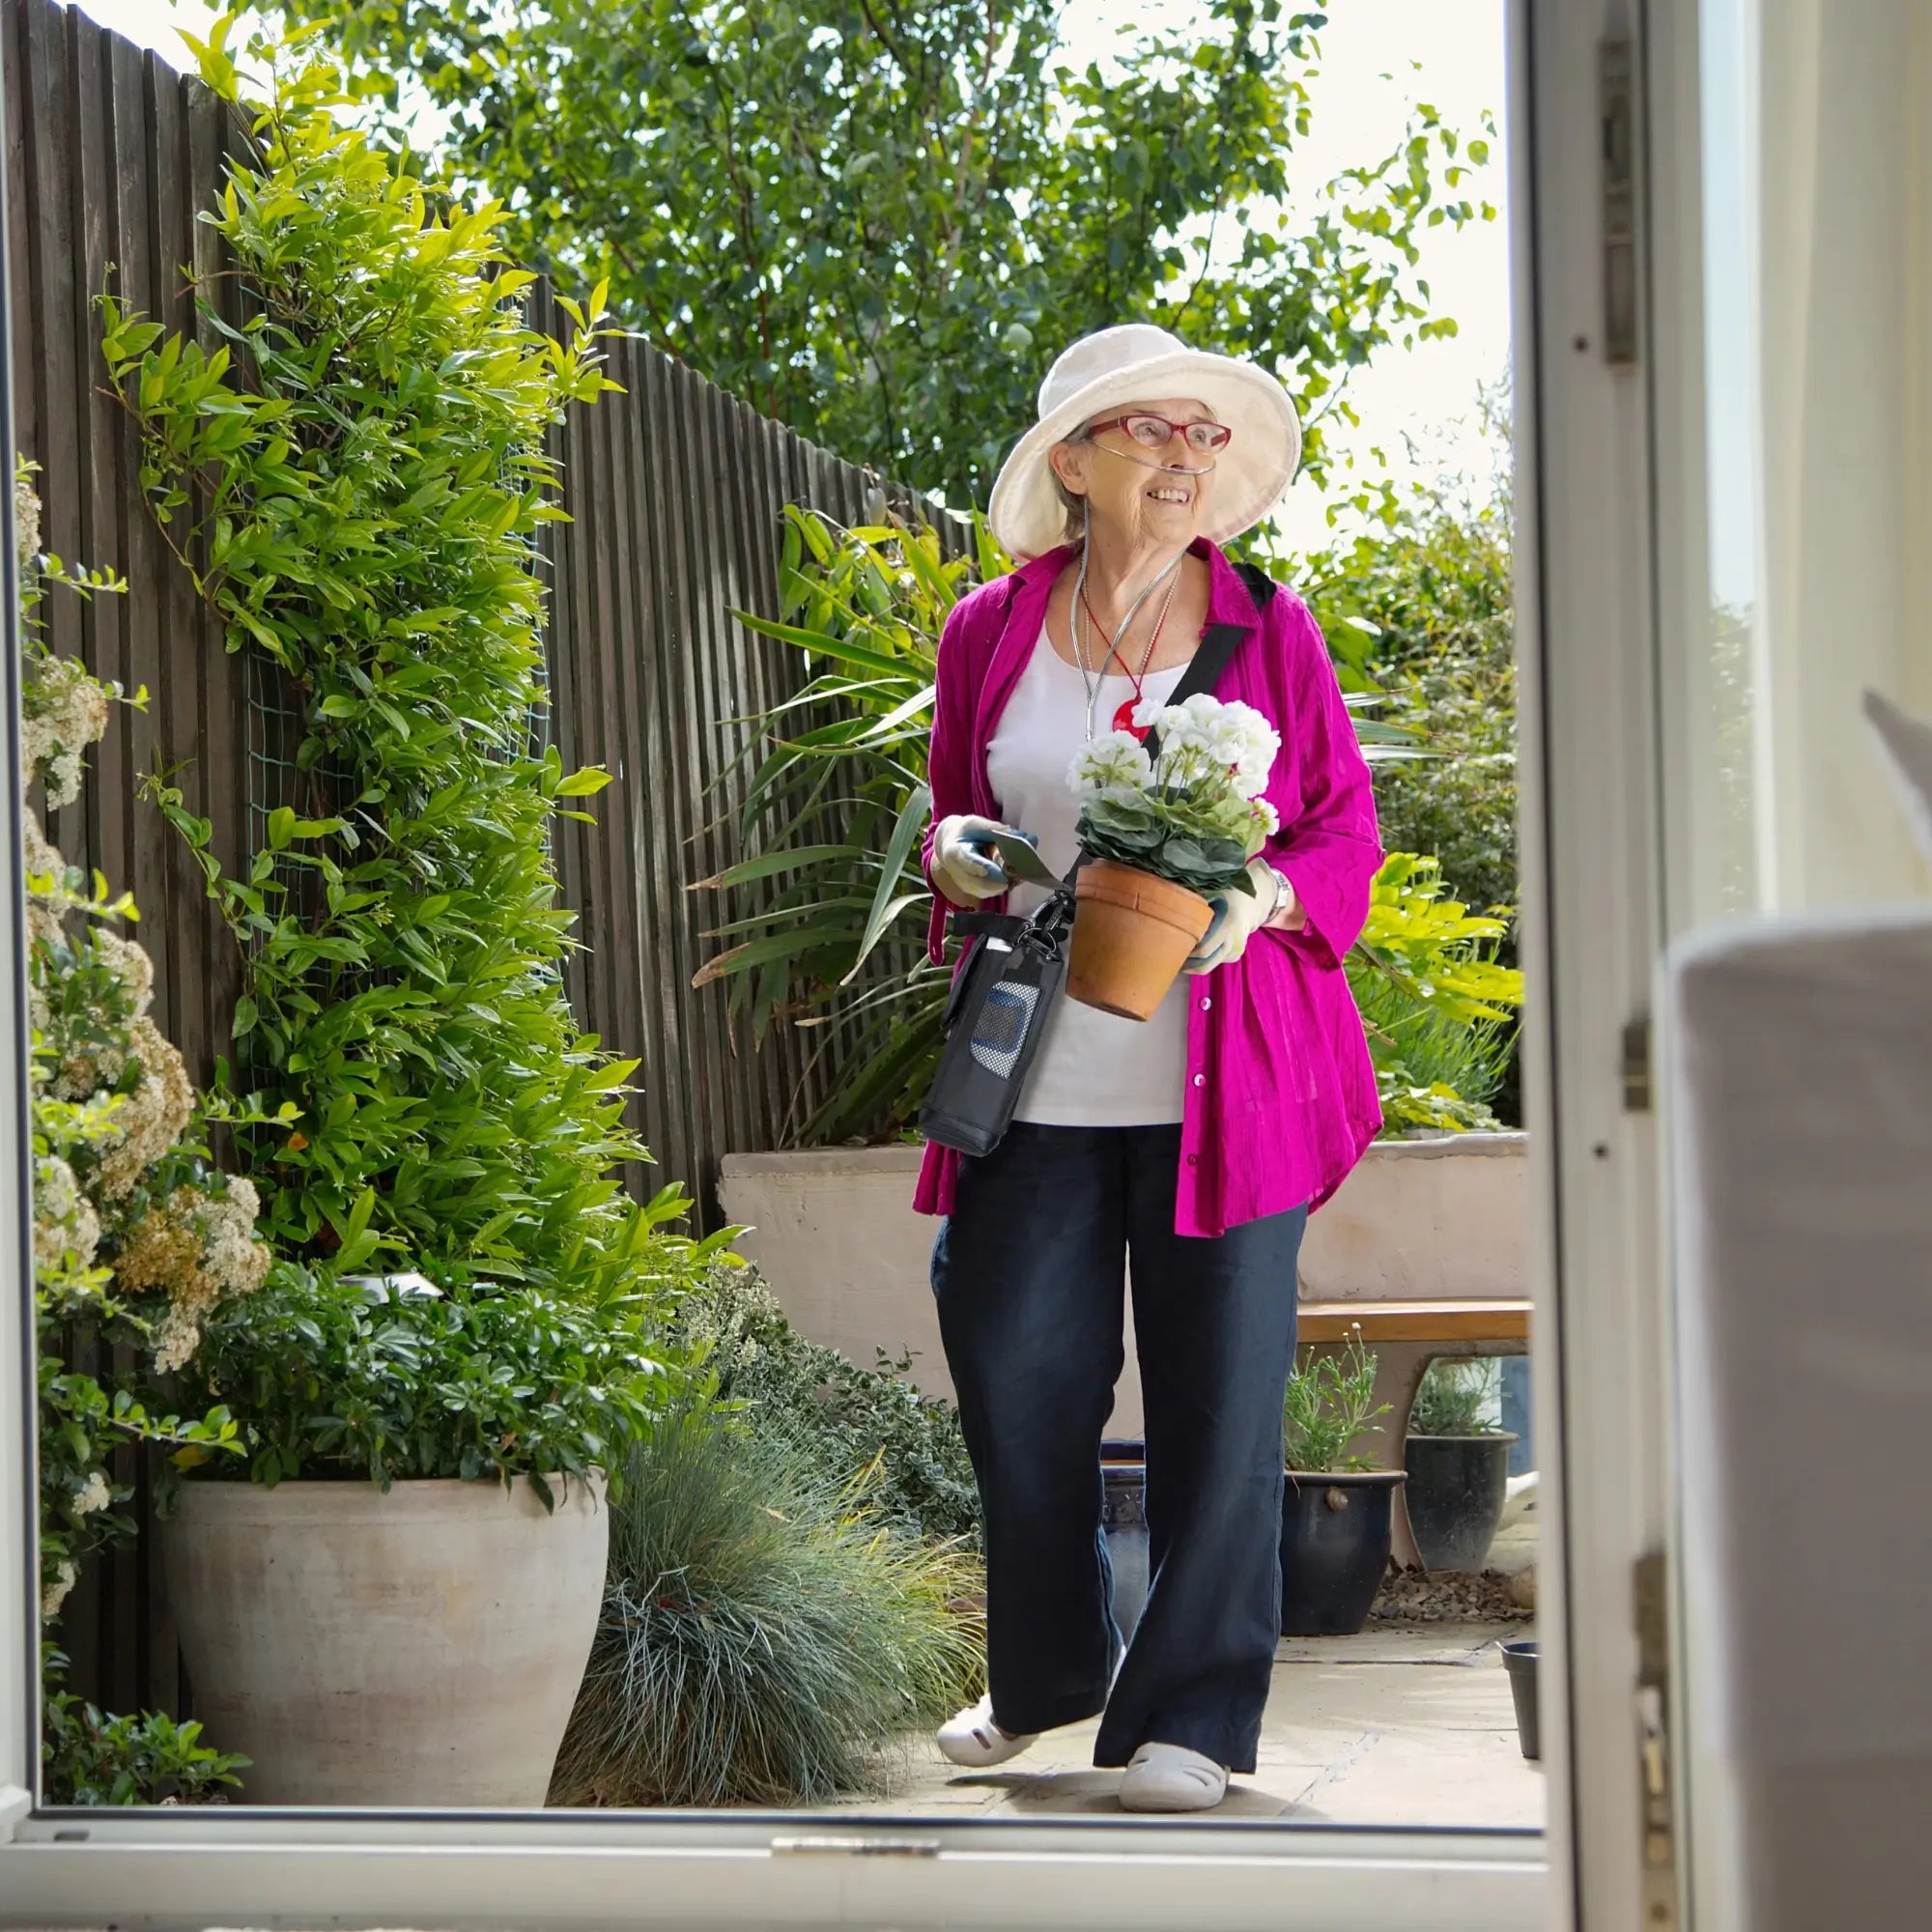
(1610, 475)
(20, 1563)
(1586, 624)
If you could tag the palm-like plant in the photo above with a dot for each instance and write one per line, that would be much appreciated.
(828, 910)
(829, 907)
(1439, 1008)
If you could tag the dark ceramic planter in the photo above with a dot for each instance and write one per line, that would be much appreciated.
(1519, 1660)
(1457, 1485)
(1335, 1537)
(1123, 1521)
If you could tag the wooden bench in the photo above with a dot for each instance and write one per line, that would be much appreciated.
(1406, 1337)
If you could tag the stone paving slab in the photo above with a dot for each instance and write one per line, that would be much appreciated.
(1396, 1727)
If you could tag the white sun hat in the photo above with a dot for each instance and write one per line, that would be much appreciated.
(1137, 363)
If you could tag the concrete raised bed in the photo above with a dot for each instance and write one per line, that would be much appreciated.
(834, 1231)
(1442, 1219)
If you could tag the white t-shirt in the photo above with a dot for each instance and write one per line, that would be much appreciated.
(1093, 1069)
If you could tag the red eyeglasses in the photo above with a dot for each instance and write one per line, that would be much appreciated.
(1158, 432)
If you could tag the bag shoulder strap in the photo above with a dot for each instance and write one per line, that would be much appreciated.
(1260, 585)
(1204, 669)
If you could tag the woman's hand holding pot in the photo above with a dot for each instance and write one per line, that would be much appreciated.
(1238, 915)
(965, 866)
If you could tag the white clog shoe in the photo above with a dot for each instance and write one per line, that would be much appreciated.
(972, 1739)
(1171, 1777)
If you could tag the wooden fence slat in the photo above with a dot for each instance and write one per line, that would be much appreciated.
(676, 955)
(725, 1120)
(742, 508)
(97, 434)
(781, 677)
(49, 365)
(634, 801)
(24, 319)
(137, 549)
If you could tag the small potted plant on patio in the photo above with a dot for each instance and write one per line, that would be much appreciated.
(1458, 1465)
(1160, 835)
(1335, 1527)
(392, 1601)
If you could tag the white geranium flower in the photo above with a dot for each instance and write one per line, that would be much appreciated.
(1266, 817)
(1180, 730)
(1223, 741)
(1251, 775)
(1114, 760)
(1236, 737)
(93, 1495)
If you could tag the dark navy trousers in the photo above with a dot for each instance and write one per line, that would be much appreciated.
(1029, 1271)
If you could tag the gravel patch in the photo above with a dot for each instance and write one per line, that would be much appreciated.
(1414, 1595)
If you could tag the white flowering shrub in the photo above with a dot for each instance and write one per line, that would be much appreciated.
(137, 1237)
(1195, 814)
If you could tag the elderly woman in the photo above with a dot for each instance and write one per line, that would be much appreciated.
(1188, 1148)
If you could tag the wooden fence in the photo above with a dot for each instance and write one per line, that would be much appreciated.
(676, 491)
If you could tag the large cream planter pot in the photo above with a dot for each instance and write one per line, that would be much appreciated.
(423, 1647)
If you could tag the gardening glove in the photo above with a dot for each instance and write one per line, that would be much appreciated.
(1238, 915)
(965, 868)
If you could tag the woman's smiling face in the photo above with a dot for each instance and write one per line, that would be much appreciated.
(1144, 496)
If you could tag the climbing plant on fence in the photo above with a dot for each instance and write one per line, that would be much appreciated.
(355, 476)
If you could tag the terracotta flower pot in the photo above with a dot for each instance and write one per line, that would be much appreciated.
(1131, 933)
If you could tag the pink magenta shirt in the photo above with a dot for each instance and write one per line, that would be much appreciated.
(1281, 1095)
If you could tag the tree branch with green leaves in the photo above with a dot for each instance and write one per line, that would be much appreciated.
(993, 200)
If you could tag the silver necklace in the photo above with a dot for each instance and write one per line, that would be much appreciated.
(1077, 629)
(1139, 677)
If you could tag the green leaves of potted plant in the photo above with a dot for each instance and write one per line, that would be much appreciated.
(354, 478)
(1335, 1525)
(1458, 1465)
(397, 1607)
(1161, 834)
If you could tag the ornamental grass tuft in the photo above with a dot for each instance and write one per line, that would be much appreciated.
(764, 1639)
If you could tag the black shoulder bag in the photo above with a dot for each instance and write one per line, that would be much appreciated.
(1012, 974)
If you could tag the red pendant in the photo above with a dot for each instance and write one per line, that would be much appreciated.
(1123, 720)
